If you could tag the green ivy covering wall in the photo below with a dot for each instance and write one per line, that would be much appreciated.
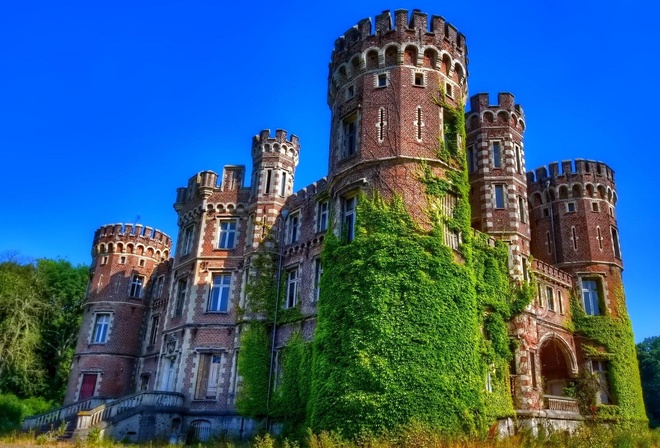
(615, 334)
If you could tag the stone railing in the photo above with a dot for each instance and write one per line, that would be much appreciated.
(62, 413)
(105, 412)
(564, 404)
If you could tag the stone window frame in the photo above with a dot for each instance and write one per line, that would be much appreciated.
(222, 288)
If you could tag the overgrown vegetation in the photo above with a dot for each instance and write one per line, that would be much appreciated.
(614, 333)
(40, 313)
(648, 355)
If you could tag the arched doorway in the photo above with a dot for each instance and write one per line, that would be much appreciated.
(557, 366)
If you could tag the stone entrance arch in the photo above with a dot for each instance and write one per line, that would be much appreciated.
(558, 365)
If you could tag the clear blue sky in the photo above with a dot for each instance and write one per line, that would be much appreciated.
(107, 107)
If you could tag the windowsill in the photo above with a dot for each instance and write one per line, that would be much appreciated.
(348, 157)
(422, 86)
(226, 249)
(97, 343)
(216, 312)
(380, 87)
(200, 400)
(135, 298)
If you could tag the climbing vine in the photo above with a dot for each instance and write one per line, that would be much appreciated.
(614, 333)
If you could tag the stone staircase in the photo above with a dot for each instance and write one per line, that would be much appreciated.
(96, 412)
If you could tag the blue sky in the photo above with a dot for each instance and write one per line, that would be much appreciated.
(107, 107)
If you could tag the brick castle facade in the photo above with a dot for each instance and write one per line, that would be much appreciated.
(159, 319)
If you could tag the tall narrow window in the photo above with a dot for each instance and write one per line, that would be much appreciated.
(600, 367)
(219, 294)
(418, 123)
(349, 128)
(101, 324)
(322, 216)
(590, 297)
(381, 124)
(269, 175)
(208, 374)
(560, 301)
(532, 362)
(318, 271)
(499, 196)
(574, 238)
(599, 237)
(349, 219)
(182, 285)
(615, 243)
(154, 329)
(471, 159)
(497, 155)
(227, 234)
(550, 297)
(294, 227)
(521, 208)
(291, 288)
(548, 242)
(518, 160)
(137, 285)
(283, 185)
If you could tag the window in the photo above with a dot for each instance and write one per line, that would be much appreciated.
(349, 135)
(122, 260)
(521, 208)
(419, 79)
(137, 285)
(548, 242)
(291, 288)
(499, 196)
(157, 290)
(419, 123)
(447, 204)
(546, 212)
(570, 207)
(318, 272)
(348, 222)
(600, 369)
(322, 216)
(594, 207)
(141, 263)
(489, 382)
(560, 301)
(293, 228)
(381, 80)
(590, 296)
(187, 242)
(615, 243)
(449, 91)
(219, 294)
(182, 285)
(381, 124)
(208, 374)
(574, 238)
(519, 168)
(249, 233)
(269, 178)
(472, 159)
(101, 325)
(154, 329)
(497, 155)
(599, 237)
(283, 185)
(550, 298)
(227, 234)
(350, 92)
(104, 260)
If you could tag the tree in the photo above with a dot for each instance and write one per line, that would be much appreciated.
(648, 355)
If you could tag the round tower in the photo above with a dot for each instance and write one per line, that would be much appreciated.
(124, 257)
(574, 225)
(496, 167)
(387, 87)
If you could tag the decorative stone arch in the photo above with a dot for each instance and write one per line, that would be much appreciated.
(410, 54)
(150, 252)
(357, 64)
(488, 117)
(576, 190)
(158, 254)
(567, 351)
(521, 123)
(615, 198)
(166, 254)
(370, 57)
(111, 248)
(446, 65)
(102, 248)
(502, 116)
(536, 199)
(342, 72)
(473, 122)
(590, 190)
(459, 73)
(602, 191)
(139, 249)
(430, 57)
(563, 191)
(130, 248)
(391, 54)
(120, 247)
(609, 194)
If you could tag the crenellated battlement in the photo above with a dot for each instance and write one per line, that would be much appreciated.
(122, 237)
(263, 143)
(593, 169)
(417, 27)
(505, 112)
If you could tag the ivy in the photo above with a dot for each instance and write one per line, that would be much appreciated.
(254, 366)
(614, 333)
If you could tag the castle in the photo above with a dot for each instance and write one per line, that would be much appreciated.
(158, 348)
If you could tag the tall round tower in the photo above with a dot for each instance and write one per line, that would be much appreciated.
(123, 259)
(496, 166)
(573, 220)
(386, 90)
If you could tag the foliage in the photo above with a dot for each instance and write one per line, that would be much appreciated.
(614, 333)
(13, 410)
(648, 355)
(293, 390)
(40, 313)
(254, 367)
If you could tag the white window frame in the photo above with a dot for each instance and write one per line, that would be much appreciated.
(180, 298)
(188, 239)
(591, 300)
(318, 272)
(219, 294)
(497, 158)
(293, 227)
(550, 298)
(101, 328)
(571, 205)
(291, 298)
(348, 217)
(502, 188)
(322, 215)
(227, 236)
(136, 288)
